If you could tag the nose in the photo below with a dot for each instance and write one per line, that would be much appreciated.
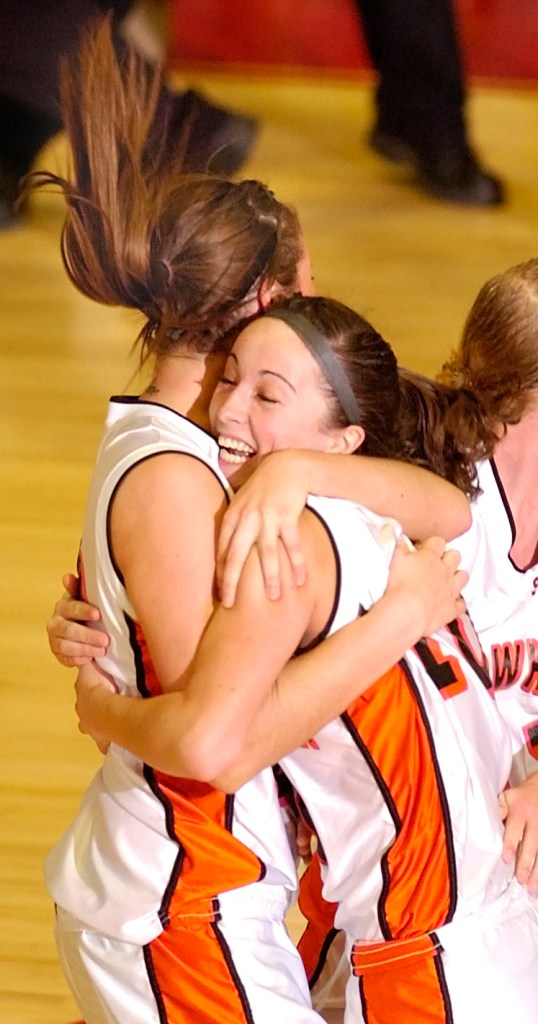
(232, 404)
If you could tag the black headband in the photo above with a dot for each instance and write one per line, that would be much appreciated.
(319, 348)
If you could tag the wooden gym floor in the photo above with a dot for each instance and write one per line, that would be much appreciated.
(410, 264)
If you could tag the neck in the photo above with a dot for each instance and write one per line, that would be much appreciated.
(517, 452)
(516, 458)
(185, 382)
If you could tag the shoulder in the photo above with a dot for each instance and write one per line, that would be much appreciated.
(179, 474)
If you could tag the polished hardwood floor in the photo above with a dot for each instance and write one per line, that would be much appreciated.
(409, 263)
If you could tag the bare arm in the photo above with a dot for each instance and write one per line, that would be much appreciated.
(267, 507)
(169, 580)
(231, 720)
(163, 527)
(423, 594)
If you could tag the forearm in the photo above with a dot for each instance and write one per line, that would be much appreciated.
(318, 686)
(200, 727)
(424, 503)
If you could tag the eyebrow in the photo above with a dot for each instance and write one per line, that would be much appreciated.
(267, 373)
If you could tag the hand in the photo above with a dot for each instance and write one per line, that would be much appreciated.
(265, 512)
(430, 577)
(305, 840)
(90, 684)
(519, 811)
(73, 643)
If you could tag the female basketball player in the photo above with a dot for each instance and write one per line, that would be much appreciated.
(401, 790)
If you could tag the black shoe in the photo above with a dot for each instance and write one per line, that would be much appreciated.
(456, 177)
(453, 174)
(215, 140)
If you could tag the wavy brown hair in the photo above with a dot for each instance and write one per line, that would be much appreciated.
(497, 358)
(489, 382)
(186, 250)
(440, 429)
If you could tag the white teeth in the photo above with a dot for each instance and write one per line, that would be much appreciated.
(226, 456)
(232, 444)
(234, 451)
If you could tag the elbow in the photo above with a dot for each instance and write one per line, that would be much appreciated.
(209, 758)
(461, 522)
(232, 779)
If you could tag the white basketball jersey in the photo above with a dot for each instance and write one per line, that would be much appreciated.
(503, 604)
(403, 788)
(143, 845)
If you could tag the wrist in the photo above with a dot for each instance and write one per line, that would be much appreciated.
(407, 611)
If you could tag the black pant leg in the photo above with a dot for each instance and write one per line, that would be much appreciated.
(414, 47)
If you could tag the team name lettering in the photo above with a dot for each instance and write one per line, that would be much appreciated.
(444, 670)
(515, 663)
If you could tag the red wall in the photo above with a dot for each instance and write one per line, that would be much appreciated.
(499, 37)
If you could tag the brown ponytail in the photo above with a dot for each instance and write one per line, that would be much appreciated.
(187, 250)
(497, 358)
(442, 429)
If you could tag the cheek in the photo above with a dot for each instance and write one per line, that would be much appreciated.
(215, 405)
(286, 431)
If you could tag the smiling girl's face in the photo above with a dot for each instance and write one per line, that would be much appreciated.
(270, 397)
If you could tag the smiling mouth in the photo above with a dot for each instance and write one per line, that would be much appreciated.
(233, 451)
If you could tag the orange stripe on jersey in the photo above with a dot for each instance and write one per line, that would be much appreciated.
(193, 977)
(320, 931)
(390, 727)
(402, 981)
(199, 818)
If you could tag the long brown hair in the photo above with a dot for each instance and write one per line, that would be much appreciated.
(187, 250)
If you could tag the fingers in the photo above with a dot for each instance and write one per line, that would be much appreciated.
(437, 545)
(503, 807)
(304, 841)
(526, 864)
(278, 538)
(75, 610)
(291, 540)
(71, 584)
(270, 532)
(521, 831)
(233, 549)
(512, 837)
(74, 644)
(432, 579)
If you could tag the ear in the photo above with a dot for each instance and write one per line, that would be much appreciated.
(346, 440)
(268, 291)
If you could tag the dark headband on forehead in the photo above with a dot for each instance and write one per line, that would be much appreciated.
(319, 348)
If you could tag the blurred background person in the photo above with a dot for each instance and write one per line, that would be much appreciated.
(36, 34)
(420, 98)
